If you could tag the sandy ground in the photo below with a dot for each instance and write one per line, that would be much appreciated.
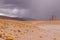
(46, 30)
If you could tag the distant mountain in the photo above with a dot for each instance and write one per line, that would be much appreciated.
(15, 18)
(29, 19)
(5, 17)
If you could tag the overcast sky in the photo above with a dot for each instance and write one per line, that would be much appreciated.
(36, 9)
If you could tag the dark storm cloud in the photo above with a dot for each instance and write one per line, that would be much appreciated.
(35, 9)
(15, 3)
(14, 8)
(18, 3)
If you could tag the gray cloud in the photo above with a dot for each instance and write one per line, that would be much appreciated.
(15, 3)
(18, 3)
(36, 9)
(14, 8)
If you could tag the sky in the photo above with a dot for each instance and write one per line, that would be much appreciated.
(35, 9)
